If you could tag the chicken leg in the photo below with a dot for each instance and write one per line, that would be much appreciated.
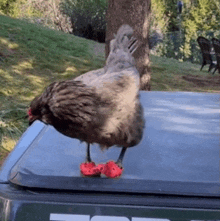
(89, 168)
(121, 157)
(88, 156)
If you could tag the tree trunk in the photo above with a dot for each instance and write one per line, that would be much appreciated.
(135, 13)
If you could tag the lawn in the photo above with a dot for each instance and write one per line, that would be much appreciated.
(32, 56)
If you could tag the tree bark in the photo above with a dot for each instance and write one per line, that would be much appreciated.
(135, 13)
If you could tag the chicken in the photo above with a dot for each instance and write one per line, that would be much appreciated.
(104, 109)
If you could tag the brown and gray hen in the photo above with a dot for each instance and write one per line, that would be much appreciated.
(100, 106)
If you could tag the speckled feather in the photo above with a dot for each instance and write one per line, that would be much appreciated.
(104, 109)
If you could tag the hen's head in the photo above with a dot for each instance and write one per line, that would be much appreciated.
(34, 111)
(39, 108)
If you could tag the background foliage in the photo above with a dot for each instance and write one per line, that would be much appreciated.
(174, 35)
(87, 17)
(92, 11)
(180, 32)
(44, 12)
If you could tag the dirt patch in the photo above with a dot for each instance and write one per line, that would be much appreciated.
(203, 81)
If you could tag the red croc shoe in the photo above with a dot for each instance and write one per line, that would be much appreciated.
(89, 169)
(112, 170)
(101, 168)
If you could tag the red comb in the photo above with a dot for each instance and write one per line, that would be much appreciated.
(29, 112)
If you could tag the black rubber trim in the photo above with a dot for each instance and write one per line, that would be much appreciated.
(117, 185)
(10, 192)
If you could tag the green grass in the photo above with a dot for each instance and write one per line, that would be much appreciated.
(32, 56)
(168, 75)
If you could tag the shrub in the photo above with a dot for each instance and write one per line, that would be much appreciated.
(87, 17)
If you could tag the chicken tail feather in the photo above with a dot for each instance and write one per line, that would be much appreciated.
(121, 40)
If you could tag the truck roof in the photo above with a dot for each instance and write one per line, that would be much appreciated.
(178, 155)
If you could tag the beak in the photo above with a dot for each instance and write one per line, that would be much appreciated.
(31, 119)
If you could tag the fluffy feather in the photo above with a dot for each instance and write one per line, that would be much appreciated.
(104, 109)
